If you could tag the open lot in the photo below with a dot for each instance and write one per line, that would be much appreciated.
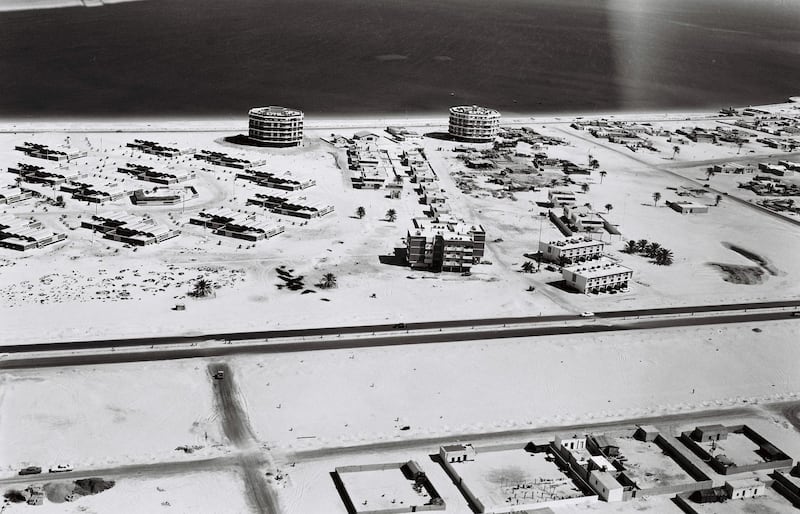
(382, 489)
(103, 416)
(347, 397)
(209, 492)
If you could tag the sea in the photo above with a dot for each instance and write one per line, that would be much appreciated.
(210, 58)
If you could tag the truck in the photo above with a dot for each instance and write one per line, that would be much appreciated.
(30, 470)
(219, 375)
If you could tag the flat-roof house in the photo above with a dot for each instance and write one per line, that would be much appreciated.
(12, 195)
(21, 234)
(457, 452)
(744, 488)
(710, 433)
(603, 444)
(688, 207)
(606, 486)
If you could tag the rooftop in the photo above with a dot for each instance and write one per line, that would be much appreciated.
(275, 110)
(474, 109)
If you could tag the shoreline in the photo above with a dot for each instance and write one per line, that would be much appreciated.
(219, 124)
(322, 122)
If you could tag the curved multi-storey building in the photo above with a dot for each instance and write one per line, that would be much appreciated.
(473, 123)
(276, 126)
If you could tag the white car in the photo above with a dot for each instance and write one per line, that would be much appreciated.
(61, 468)
(587, 314)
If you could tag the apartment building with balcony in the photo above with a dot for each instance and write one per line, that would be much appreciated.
(596, 277)
(275, 126)
(474, 124)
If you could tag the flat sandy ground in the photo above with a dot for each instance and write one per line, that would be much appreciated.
(493, 385)
(107, 415)
(382, 489)
(204, 492)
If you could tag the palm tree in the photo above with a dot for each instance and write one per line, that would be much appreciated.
(675, 151)
(391, 215)
(328, 281)
(609, 207)
(202, 288)
(656, 198)
(361, 212)
(603, 174)
(739, 144)
(664, 257)
(641, 244)
(594, 163)
(527, 267)
(710, 173)
(631, 246)
(652, 249)
(585, 188)
(718, 199)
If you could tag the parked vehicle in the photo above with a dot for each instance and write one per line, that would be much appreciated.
(30, 470)
(219, 375)
(587, 314)
(61, 468)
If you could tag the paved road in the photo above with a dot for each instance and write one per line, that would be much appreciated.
(590, 326)
(362, 329)
(236, 426)
(149, 470)
(435, 442)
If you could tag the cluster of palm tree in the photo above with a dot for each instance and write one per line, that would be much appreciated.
(391, 215)
(361, 212)
(660, 255)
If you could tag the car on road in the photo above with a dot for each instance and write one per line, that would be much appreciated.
(796, 314)
(219, 375)
(587, 314)
(30, 470)
(61, 468)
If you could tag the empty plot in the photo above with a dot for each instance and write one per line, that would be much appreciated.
(375, 490)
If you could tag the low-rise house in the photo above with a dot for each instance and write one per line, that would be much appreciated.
(129, 229)
(163, 196)
(571, 250)
(710, 433)
(227, 161)
(13, 195)
(52, 176)
(21, 235)
(457, 452)
(153, 148)
(148, 174)
(688, 207)
(744, 488)
(267, 179)
(94, 193)
(283, 205)
(402, 133)
(597, 277)
(774, 169)
(240, 225)
(733, 167)
(39, 151)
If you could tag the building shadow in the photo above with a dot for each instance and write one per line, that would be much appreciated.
(396, 259)
(562, 286)
(442, 136)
